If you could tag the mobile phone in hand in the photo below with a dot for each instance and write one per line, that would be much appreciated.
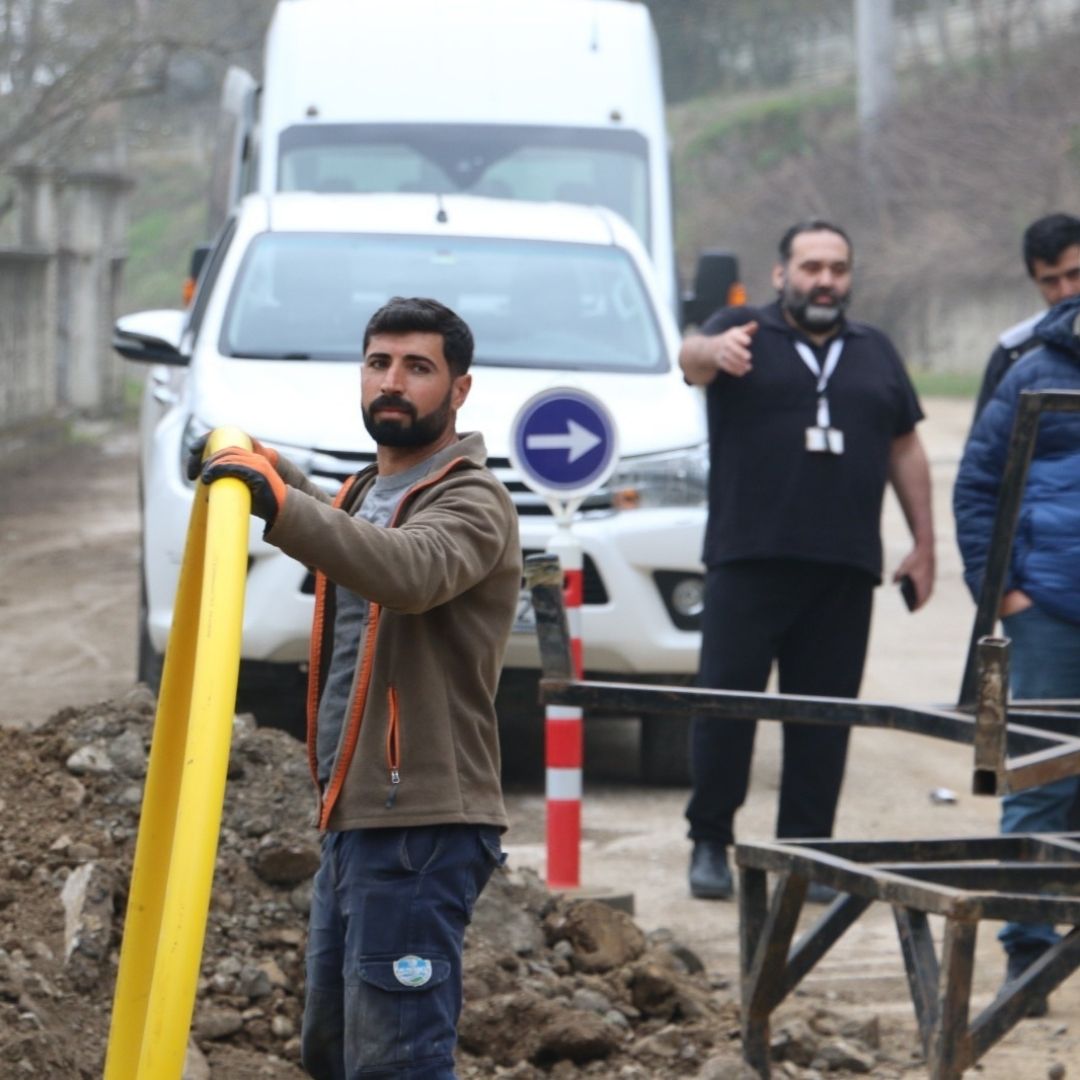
(907, 591)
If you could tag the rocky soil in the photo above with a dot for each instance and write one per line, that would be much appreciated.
(69, 559)
(554, 988)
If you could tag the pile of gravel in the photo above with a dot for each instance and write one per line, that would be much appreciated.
(554, 988)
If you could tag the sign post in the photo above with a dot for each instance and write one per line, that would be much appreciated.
(564, 446)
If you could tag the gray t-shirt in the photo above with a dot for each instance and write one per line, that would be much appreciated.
(350, 624)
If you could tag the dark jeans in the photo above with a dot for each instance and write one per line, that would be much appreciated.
(388, 917)
(813, 619)
(1044, 662)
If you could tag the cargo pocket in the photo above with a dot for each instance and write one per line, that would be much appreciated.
(491, 856)
(399, 1010)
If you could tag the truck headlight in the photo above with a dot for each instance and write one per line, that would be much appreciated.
(194, 430)
(673, 478)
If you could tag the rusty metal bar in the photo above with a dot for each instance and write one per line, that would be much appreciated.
(996, 728)
(1011, 1005)
(842, 913)
(1064, 711)
(941, 993)
(753, 905)
(1028, 732)
(921, 968)
(939, 889)
(544, 577)
(1015, 846)
(950, 1046)
(1043, 766)
(1057, 845)
(1058, 755)
(1051, 756)
(742, 705)
(991, 715)
(1010, 496)
(765, 974)
(858, 879)
(1010, 877)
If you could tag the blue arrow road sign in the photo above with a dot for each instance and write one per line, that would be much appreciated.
(563, 442)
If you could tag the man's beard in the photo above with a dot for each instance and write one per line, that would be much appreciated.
(422, 431)
(816, 312)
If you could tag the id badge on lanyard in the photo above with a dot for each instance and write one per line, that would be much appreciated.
(822, 437)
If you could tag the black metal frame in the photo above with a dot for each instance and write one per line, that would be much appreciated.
(1022, 878)
(1015, 744)
(963, 880)
(1041, 756)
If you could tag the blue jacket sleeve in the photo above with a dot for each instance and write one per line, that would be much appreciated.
(978, 480)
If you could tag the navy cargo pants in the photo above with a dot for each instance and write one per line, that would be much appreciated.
(388, 917)
(813, 619)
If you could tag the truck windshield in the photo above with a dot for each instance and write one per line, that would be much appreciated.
(577, 165)
(308, 296)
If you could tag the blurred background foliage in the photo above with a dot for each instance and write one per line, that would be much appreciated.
(984, 136)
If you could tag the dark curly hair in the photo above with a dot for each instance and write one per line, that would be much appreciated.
(812, 225)
(1048, 237)
(421, 315)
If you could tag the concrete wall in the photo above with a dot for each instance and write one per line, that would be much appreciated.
(28, 375)
(957, 333)
(58, 293)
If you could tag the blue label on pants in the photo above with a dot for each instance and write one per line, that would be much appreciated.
(412, 970)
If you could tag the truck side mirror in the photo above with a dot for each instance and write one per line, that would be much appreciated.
(151, 337)
(716, 285)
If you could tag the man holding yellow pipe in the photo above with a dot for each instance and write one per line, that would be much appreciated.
(419, 568)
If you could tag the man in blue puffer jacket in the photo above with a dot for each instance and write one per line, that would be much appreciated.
(1040, 608)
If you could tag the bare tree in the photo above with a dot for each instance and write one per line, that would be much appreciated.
(960, 167)
(62, 60)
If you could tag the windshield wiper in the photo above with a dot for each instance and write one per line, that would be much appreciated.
(270, 356)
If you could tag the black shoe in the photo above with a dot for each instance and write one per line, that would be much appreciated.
(710, 875)
(1019, 960)
(817, 892)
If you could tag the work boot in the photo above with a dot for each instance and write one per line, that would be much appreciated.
(1019, 960)
(710, 875)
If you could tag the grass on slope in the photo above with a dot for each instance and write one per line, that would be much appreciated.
(168, 219)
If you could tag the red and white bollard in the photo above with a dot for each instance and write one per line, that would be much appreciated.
(564, 735)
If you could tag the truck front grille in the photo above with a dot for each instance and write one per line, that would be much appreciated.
(330, 468)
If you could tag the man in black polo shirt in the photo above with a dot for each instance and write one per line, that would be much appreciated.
(809, 415)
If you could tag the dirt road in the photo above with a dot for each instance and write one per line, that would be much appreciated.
(68, 590)
(69, 555)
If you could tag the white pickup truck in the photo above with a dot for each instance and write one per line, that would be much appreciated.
(556, 294)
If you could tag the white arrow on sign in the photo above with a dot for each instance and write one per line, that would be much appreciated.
(577, 439)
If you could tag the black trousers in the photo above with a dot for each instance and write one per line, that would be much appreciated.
(813, 619)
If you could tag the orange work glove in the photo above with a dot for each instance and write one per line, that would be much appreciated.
(198, 448)
(267, 489)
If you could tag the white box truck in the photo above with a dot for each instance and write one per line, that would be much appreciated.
(560, 100)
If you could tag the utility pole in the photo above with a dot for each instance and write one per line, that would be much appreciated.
(874, 63)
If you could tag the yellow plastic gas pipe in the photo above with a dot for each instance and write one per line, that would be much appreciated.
(173, 870)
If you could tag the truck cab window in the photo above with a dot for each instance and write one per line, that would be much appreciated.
(578, 165)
